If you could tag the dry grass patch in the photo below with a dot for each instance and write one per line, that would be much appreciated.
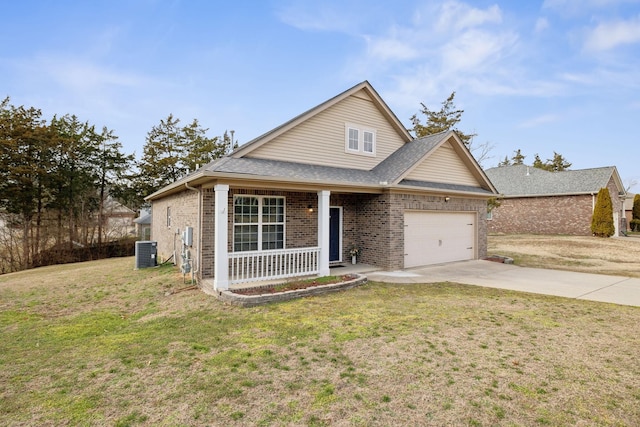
(614, 256)
(105, 345)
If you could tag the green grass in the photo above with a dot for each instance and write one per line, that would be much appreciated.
(102, 344)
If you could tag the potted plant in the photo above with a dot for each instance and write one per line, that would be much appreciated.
(354, 252)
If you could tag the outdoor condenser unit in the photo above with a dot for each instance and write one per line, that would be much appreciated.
(146, 252)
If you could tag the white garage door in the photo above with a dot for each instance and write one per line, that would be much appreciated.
(437, 237)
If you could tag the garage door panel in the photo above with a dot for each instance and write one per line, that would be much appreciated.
(438, 237)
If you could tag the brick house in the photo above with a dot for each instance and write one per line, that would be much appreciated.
(295, 201)
(536, 201)
(628, 209)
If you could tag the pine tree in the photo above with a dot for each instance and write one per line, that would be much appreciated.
(518, 158)
(537, 163)
(602, 220)
(505, 162)
(439, 121)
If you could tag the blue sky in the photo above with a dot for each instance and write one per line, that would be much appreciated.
(540, 76)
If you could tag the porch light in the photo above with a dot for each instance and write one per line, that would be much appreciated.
(446, 199)
(310, 208)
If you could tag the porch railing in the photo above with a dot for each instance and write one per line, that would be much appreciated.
(272, 264)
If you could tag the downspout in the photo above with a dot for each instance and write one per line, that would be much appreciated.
(196, 268)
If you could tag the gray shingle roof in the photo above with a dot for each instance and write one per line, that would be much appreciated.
(444, 186)
(394, 166)
(292, 171)
(523, 180)
(388, 171)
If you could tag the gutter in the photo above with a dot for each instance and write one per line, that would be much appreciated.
(196, 269)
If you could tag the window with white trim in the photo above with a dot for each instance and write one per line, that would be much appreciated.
(360, 140)
(367, 145)
(353, 139)
(258, 223)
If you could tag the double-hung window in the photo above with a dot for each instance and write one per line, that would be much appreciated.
(258, 223)
(368, 138)
(353, 139)
(360, 140)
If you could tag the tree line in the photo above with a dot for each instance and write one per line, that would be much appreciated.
(57, 174)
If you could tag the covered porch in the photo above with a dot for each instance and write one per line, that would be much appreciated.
(266, 236)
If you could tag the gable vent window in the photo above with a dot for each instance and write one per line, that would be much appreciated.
(360, 140)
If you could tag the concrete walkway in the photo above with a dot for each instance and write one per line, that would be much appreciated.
(593, 287)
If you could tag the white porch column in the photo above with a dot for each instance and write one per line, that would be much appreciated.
(323, 232)
(221, 233)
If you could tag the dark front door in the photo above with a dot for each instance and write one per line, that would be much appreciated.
(334, 234)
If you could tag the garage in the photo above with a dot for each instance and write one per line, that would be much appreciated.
(438, 237)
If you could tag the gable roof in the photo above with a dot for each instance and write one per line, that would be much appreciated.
(527, 181)
(246, 148)
(388, 174)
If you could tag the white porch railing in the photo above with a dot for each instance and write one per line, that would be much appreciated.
(272, 264)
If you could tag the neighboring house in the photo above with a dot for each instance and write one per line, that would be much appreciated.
(537, 201)
(343, 175)
(118, 220)
(143, 225)
(628, 209)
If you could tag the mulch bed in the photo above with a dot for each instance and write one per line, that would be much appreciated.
(290, 286)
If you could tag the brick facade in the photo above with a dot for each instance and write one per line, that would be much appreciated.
(183, 208)
(372, 222)
(567, 214)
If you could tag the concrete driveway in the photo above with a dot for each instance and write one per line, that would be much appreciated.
(593, 287)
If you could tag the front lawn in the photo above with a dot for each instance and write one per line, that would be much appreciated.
(99, 343)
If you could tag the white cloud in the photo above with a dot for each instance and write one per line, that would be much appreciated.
(475, 50)
(318, 17)
(80, 75)
(458, 16)
(573, 6)
(389, 49)
(541, 25)
(539, 120)
(609, 35)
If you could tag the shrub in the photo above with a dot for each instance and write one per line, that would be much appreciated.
(602, 220)
(635, 213)
(635, 225)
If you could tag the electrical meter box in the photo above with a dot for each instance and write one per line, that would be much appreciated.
(187, 236)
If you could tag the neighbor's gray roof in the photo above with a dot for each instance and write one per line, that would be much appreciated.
(144, 218)
(523, 180)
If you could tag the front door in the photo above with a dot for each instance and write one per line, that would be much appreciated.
(335, 234)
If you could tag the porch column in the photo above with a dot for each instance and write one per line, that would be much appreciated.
(221, 233)
(323, 232)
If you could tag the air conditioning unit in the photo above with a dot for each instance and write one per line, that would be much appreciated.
(146, 252)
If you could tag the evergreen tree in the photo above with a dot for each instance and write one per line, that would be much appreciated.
(505, 162)
(24, 154)
(162, 154)
(170, 152)
(557, 164)
(537, 163)
(439, 121)
(74, 176)
(200, 149)
(518, 158)
(635, 213)
(602, 221)
(112, 164)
